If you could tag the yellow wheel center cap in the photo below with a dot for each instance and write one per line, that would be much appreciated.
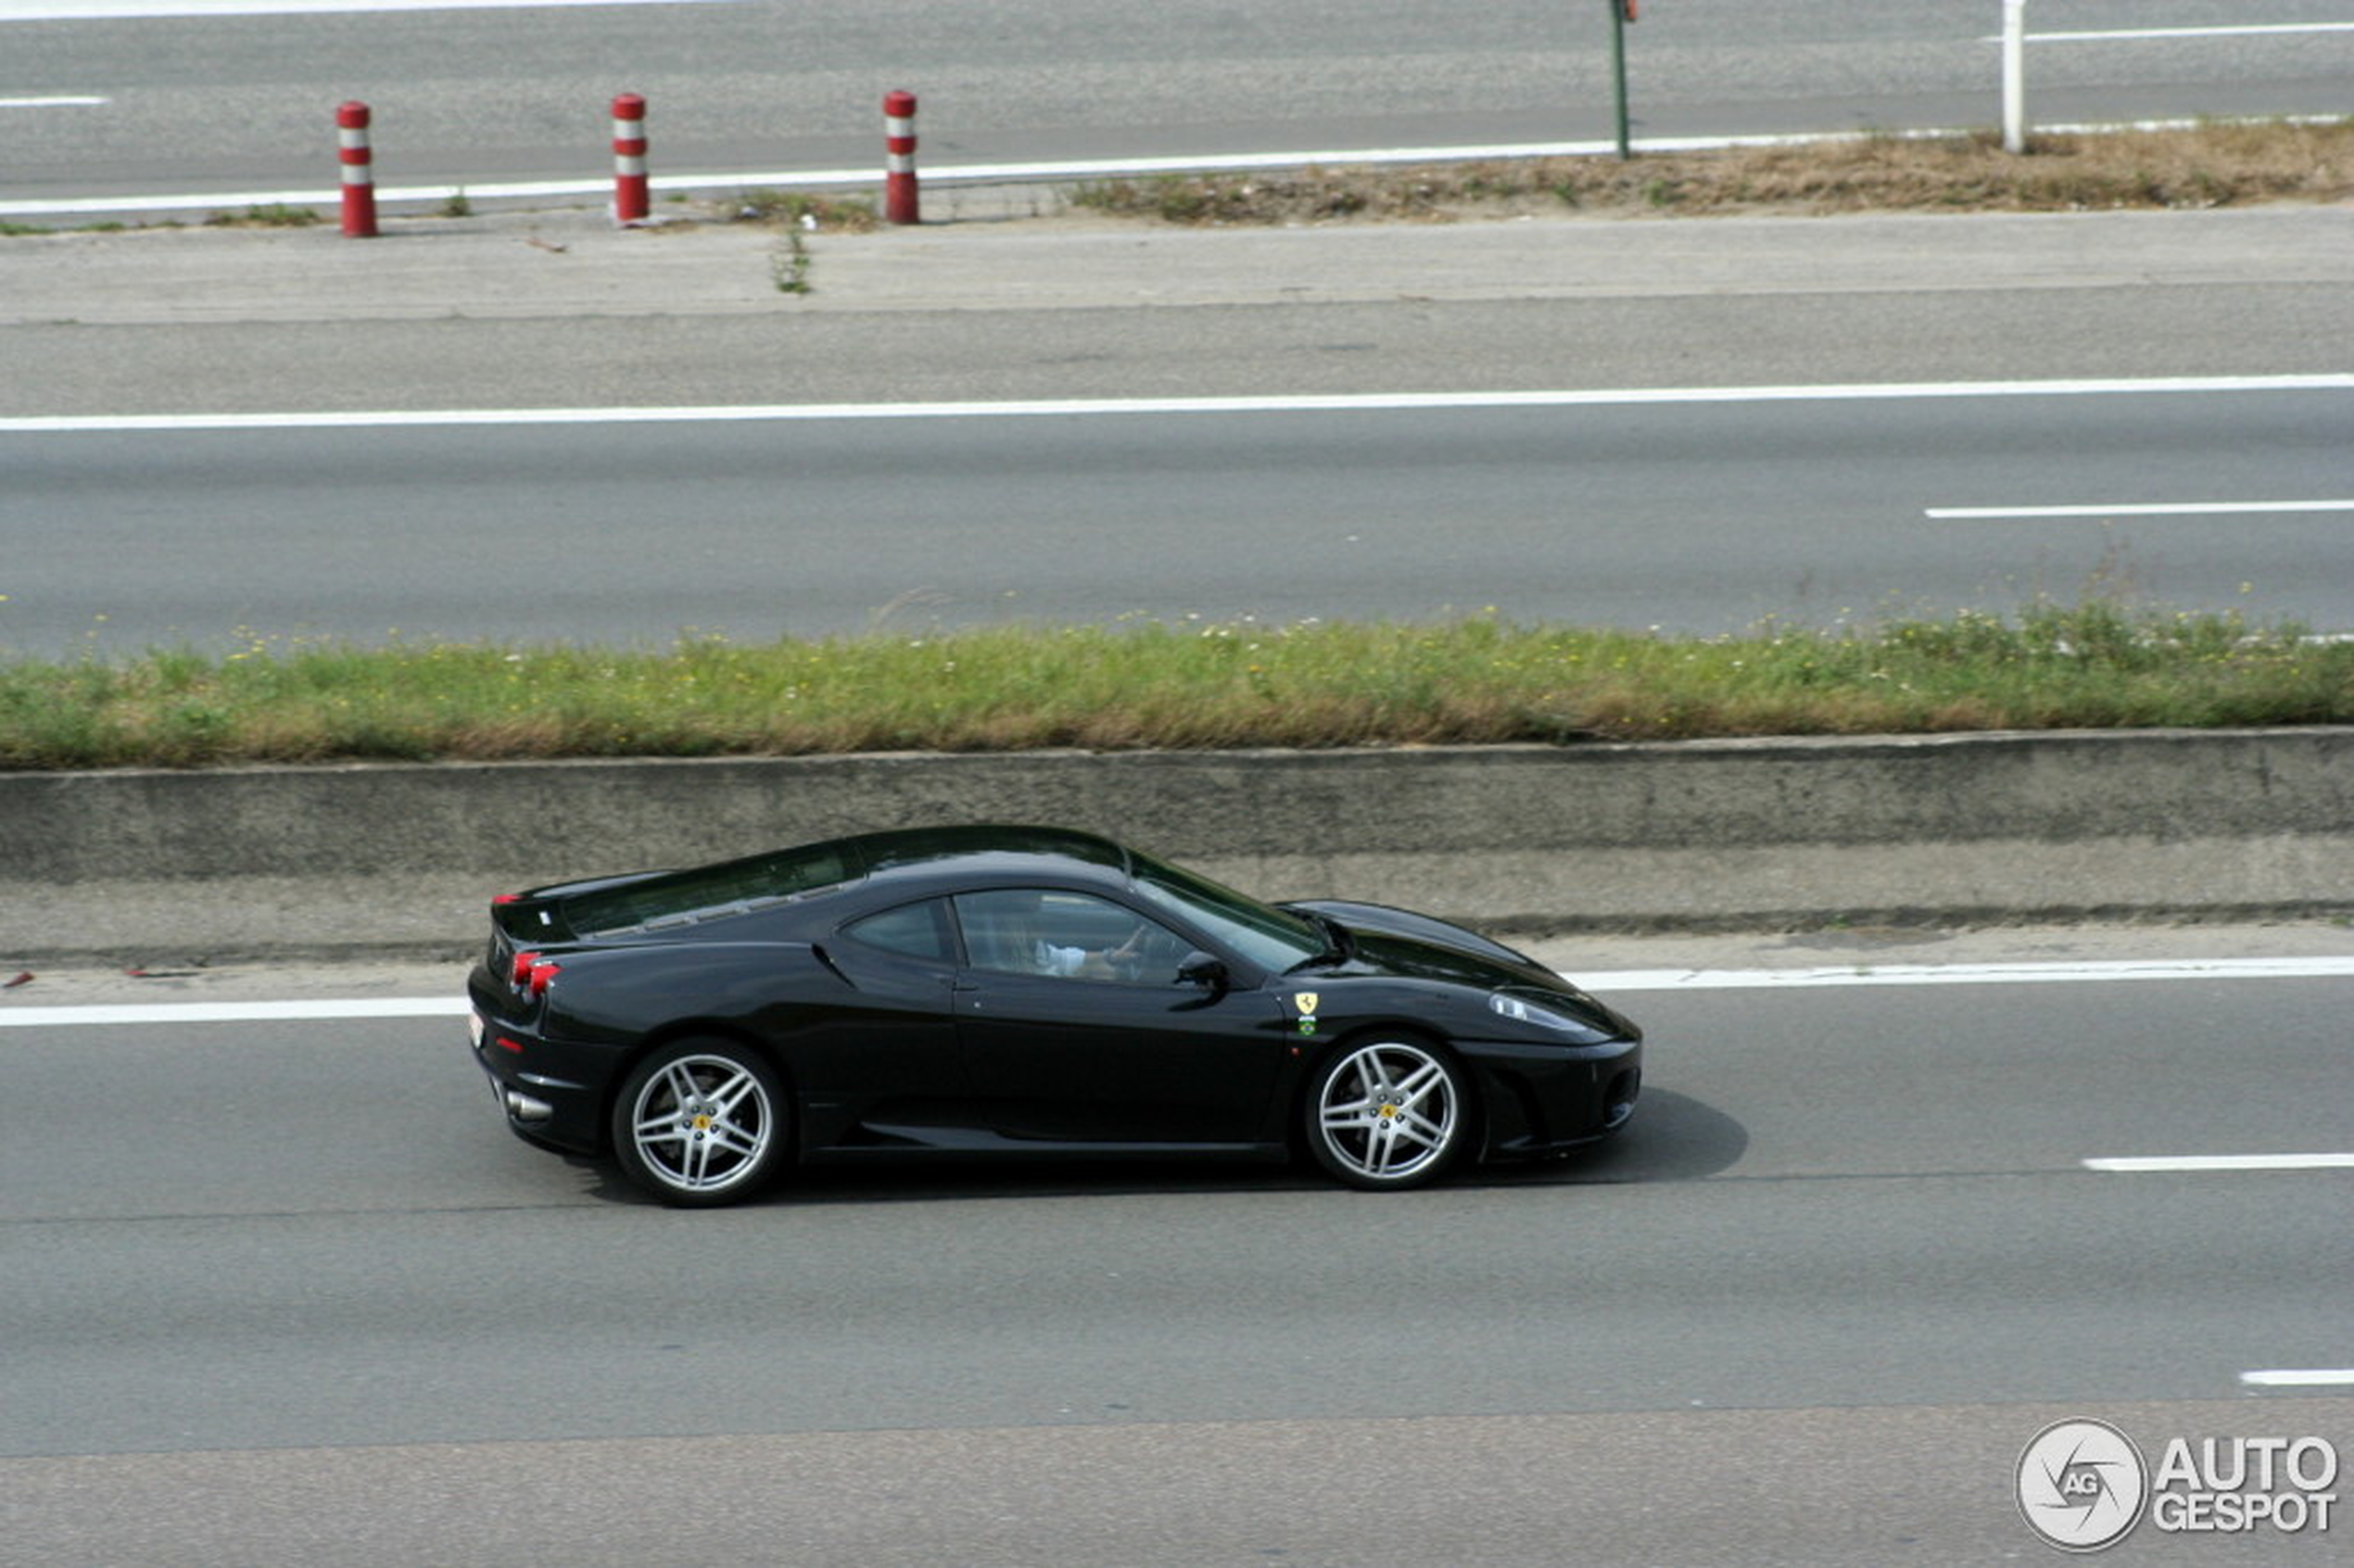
(1389, 1112)
(702, 1123)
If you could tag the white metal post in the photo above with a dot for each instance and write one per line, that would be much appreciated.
(2015, 76)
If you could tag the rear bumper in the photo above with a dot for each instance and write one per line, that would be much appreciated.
(1548, 1100)
(548, 1093)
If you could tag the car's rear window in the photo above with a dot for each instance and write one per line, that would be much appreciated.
(736, 887)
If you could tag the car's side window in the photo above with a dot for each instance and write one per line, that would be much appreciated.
(1066, 936)
(918, 931)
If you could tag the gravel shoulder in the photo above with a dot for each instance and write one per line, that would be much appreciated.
(562, 310)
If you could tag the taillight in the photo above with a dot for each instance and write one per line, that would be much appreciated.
(532, 973)
(506, 898)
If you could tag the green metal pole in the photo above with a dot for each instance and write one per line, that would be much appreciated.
(1619, 70)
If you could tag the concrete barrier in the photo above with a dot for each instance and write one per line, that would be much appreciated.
(1732, 834)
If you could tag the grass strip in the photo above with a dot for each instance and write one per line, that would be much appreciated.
(1158, 685)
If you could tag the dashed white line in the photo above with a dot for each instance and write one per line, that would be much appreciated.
(2140, 509)
(2225, 1162)
(2300, 1377)
(2219, 29)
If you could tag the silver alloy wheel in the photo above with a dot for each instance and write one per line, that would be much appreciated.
(1386, 1114)
(703, 1124)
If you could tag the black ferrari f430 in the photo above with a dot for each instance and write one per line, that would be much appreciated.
(1026, 990)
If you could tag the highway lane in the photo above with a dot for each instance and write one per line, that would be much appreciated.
(268, 1263)
(319, 1233)
(1697, 513)
(481, 96)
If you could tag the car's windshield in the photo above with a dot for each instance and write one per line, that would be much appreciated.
(1266, 936)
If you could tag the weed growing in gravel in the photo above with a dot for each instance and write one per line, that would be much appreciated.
(272, 215)
(803, 212)
(2212, 165)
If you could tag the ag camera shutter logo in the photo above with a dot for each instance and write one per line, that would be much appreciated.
(2081, 1485)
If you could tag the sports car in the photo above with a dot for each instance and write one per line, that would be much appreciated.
(1021, 991)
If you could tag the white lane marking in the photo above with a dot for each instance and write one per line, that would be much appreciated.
(2219, 29)
(1053, 408)
(1965, 974)
(2300, 1377)
(14, 1016)
(62, 102)
(235, 1012)
(2225, 1162)
(120, 10)
(2140, 509)
(1067, 170)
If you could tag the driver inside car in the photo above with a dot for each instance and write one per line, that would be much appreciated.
(1080, 963)
(1058, 935)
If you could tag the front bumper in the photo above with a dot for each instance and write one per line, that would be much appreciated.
(1543, 1100)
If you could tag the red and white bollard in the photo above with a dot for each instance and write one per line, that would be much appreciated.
(359, 173)
(901, 204)
(630, 203)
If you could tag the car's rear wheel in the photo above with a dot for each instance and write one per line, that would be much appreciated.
(702, 1122)
(1387, 1114)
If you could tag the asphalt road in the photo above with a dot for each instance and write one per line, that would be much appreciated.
(1701, 514)
(288, 1292)
(284, 1292)
(1706, 517)
(475, 97)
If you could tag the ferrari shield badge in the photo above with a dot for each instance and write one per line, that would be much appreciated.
(1306, 1002)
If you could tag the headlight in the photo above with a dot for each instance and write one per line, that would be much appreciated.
(1521, 1010)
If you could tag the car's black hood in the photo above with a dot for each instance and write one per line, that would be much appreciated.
(1400, 944)
(1423, 946)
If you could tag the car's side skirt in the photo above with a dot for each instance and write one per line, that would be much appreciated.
(900, 1143)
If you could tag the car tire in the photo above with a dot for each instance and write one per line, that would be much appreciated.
(703, 1123)
(1386, 1114)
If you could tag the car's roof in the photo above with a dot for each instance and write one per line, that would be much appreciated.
(910, 861)
(967, 849)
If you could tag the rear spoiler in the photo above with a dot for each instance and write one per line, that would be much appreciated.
(528, 919)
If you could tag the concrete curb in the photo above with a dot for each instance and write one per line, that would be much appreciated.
(565, 265)
(397, 860)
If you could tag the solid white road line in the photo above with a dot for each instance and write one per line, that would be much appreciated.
(120, 10)
(2300, 1377)
(13, 1015)
(52, 103)
(235, 1012)
(2140, 509)
(867, 174)
(1018, 174)
(1061, 408)
(1603, 984)
(2225, 1162)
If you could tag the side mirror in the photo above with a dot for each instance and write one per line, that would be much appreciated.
(1202, 969)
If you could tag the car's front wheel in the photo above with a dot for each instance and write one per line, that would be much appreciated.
(702, 1122)
(1387, 1114)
